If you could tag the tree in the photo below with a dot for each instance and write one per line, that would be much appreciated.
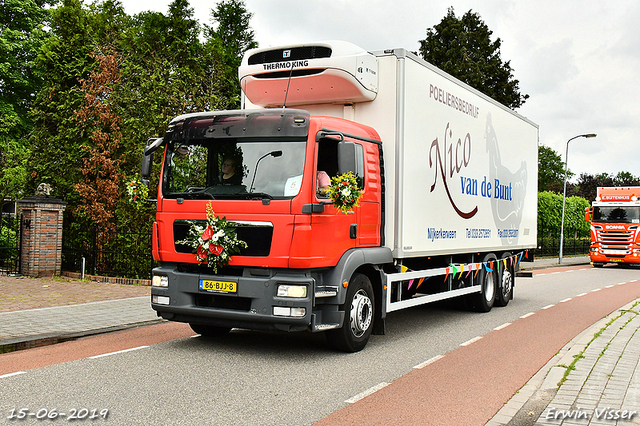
(57, 140)
(229, 38)
(550, 215)
(550, 170)
(99, 190)
(22, 32)
(626, 179)
(463, 48)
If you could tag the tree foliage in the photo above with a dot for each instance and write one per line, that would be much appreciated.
(106, 82)
(550, 170)
(463, 48)
(22, 33)
(550, 215)
(56, 141)
(229, 38)
(99, 190)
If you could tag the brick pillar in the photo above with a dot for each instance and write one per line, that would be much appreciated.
(41, 233)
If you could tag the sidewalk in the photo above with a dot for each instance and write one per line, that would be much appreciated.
(37, 312)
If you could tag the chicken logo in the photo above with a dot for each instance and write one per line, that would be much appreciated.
(508, 199)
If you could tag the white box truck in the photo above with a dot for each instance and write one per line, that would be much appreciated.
(448, 182)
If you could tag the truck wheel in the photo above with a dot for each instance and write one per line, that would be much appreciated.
(598, 265)
(359, 308)
(505, 292)
(209, 330)
(483, 301)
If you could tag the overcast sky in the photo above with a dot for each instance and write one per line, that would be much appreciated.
(579, 61)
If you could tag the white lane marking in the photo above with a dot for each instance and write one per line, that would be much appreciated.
(565, 300)
(500, 327)
(549, 306)
(118, 352)
(528, 315)
(429, 361)
(368, 392)
(12, 374)
(597, 289)
(581, 294)
(468, 342)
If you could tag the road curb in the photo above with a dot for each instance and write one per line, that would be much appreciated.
(30, 342)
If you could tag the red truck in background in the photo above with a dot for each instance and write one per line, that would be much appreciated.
(615, 225)
(448, 179)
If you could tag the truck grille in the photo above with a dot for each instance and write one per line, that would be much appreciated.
(616, 243)
(293, 54)
(258, 237)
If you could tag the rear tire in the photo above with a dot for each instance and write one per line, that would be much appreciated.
(210, 330)
(359, 309)
(507, 282)
(483, 301)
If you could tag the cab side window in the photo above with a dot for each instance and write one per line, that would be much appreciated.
(336, 157)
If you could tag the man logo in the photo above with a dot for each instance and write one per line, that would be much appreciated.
(286, 54)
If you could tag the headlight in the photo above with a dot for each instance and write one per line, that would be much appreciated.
(160, 281)
(287, 290)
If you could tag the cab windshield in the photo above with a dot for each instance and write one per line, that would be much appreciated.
(233, 169)
(616, 214)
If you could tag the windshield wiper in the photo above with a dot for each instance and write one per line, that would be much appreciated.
(258, 196)
(197, 195)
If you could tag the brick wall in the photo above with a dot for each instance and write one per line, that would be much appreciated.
(41, 228)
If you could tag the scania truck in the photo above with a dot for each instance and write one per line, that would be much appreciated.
(448, 183)
(615, 225)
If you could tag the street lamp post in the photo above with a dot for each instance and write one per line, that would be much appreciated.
(564, 195)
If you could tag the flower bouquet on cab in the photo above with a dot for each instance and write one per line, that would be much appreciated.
(344, 192)
(214, 242)
(137, 193)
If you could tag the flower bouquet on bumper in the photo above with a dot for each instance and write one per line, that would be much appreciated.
(214, 242)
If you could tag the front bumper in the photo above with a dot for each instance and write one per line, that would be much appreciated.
(601, 258)
(253, 304)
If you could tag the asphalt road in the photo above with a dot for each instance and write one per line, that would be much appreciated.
(167, 377)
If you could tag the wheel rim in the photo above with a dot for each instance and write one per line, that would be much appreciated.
(489, 288)
(361, 313)
(507, 283)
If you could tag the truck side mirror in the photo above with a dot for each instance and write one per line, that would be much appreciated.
(145, 168)
(147, 157)
(346, 157)
(587, 214)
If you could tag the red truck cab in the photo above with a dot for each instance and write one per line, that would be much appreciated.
(615, 226)
(278, 280)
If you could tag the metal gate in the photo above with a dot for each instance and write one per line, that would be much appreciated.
(10, 244)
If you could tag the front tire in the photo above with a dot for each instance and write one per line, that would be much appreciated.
(359, 309)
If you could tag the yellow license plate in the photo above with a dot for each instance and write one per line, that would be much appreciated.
(218, 286)
(615, 260)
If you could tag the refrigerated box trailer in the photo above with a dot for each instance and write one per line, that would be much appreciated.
(448, 179)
